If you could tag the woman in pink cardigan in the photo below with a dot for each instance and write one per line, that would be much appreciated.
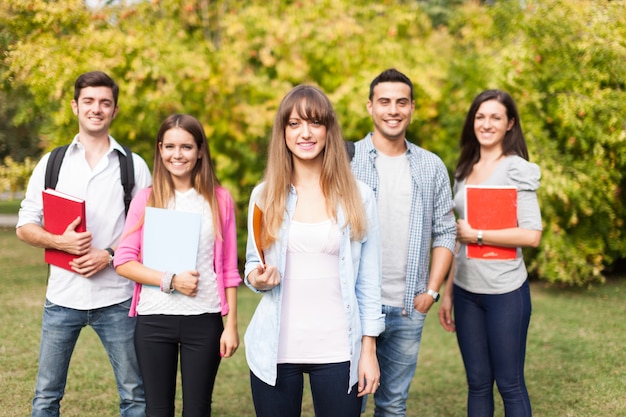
(182, 310)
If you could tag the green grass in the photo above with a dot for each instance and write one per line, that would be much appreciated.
(576, 361)
(10, 206)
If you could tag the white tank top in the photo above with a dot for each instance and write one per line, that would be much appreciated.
(313, 323)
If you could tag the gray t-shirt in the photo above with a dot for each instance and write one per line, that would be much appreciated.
(394, 210)
(500, 276)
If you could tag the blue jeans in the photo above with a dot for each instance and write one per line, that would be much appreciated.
(491, 331)
(329, 391)
(397, 349)
(59, 332)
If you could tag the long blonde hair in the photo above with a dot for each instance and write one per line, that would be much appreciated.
(203, 178)
(337, 182)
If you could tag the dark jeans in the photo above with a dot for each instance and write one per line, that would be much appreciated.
(491, 331)
(158, 339)
(329, 389)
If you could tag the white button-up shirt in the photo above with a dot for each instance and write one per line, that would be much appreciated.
(102, 191)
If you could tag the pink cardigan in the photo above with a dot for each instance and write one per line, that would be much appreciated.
(225, 249)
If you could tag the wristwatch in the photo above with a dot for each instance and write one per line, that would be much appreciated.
(111, 256)
(433, 294)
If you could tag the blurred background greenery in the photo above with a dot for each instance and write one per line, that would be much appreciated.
(230, 62)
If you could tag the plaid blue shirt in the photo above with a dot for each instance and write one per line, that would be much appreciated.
(431, 223)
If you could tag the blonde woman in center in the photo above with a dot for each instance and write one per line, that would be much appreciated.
(320, 312)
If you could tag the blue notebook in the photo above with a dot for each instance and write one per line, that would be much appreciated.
(170, 239)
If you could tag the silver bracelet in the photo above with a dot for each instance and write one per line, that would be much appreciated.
(166, 282)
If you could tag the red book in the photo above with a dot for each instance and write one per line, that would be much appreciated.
(490, 208)
(59, 210)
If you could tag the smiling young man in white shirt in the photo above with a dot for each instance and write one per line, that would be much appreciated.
(92, 293)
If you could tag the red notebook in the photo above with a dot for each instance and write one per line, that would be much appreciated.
(59, 210)
(490, 208)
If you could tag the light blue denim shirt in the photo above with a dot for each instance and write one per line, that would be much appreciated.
(360, 274)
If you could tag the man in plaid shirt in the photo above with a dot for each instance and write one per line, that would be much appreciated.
(418, 232)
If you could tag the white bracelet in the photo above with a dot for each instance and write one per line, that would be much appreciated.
(166, 282)
(479, 238)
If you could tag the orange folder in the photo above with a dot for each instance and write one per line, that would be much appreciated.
(257, 218)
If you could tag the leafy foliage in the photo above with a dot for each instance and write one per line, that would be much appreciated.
(570, 82)
(230, 63)
(14, 176)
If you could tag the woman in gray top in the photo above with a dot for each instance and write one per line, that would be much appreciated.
(490, 295)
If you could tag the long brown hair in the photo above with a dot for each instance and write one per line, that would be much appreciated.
(337, 182)
(203, 178)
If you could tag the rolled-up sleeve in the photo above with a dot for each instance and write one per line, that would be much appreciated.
(31, 208)
(369, 275)
(444, 223)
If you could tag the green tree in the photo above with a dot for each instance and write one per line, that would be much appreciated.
(571, 81)
(229, 63)
(18, 137)
(565, 63)
(231, 74)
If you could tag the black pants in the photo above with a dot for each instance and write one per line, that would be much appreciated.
(158, 339)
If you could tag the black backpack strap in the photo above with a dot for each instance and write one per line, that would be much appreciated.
(127, 171)
(350, 149)
(54, 166)
(127, 175)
